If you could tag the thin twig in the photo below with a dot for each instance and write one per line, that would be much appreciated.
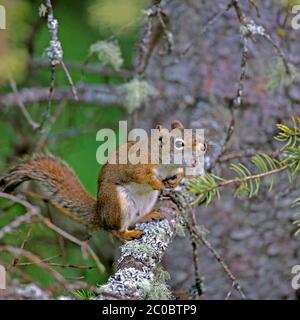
(55, 55)
(246, 153)
(27, 205)
(86, 68)
(46, 132)
(204, 28)
(55, 52)
(54, 264)
(60, 239)
(83, 244)
(21, 105)
(11, 227)
(104, 95)
(24, 242)
(251, 29)
(239, 180)
(35, 259)
(228, 137)
(201, 237)
(152, 36)
(73, 88)
(238, 99)
(34, 212)
(64, 211)
(194, 243)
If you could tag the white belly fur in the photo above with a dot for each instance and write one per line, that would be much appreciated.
(138, 200)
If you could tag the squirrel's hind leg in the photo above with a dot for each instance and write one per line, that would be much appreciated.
(153, 215)
(127, 235)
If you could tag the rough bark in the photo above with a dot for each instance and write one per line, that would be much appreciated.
(105, 95)
(255, 237)
(135, 274)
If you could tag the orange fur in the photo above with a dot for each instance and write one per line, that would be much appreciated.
(126, 192)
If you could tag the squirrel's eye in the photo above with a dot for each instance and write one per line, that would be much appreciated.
(160, 140)
(179, 144)
(204, 147)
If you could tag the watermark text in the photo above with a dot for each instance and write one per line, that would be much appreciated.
(296, 19)
(179, 147)
(296, 278)
(2, 18)
(2, 278)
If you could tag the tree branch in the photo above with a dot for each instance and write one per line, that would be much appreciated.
(104, 95)
(136, 269)
(89, 68)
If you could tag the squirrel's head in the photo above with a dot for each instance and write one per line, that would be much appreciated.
(185, 146)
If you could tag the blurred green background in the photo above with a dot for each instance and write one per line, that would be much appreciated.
(73, 137)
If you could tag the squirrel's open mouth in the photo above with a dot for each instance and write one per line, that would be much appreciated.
(194, 163)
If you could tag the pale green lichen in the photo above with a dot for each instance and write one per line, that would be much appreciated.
(109, 53)
(147, 282)
(138, 247)
(180, 230)
(156, 289)
(137, 92)
(244, 30)
(159, 232)
(42, 10)
(279, 76)
(103, 288)
(162, 275)
(180, 227)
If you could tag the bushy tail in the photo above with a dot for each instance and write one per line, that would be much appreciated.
(58, 181)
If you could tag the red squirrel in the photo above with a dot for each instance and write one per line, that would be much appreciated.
(126, 193)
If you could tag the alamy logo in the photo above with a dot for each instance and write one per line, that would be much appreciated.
(179, 147)
(296, 277)
(296, 18)
(2, 277)
(2, 18)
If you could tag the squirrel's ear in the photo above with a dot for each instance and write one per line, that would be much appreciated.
(176, 124)
(159, 127)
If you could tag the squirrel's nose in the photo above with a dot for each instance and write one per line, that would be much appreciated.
(194, 162)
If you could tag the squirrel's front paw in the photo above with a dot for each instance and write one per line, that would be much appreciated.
(128, 235)
(157, 185)
(173, 182)
(153, 215)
